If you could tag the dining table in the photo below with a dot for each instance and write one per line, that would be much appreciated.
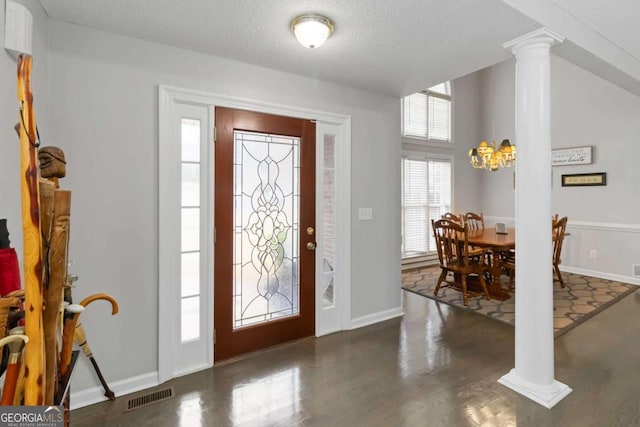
(488, 238)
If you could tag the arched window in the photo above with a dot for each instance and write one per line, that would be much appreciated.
(427, 114)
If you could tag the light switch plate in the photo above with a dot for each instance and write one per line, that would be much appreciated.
(365, 214)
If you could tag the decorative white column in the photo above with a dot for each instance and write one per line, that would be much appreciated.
(533, 375)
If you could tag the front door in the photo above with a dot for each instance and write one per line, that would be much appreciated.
(265, 231)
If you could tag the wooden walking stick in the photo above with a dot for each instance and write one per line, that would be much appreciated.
(55, 207)
(34, 352)
(16, 344)
(57, 265)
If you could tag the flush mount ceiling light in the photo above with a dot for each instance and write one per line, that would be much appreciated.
(312, 30)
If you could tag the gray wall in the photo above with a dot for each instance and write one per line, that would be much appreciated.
(585, 111)
(10, 207)
(497, 115)
(104, 113)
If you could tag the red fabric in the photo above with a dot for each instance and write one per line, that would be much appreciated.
(9, 271)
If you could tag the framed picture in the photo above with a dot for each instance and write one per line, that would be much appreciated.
(584, 179)
(571, 156)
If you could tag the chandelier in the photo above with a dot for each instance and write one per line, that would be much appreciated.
(486, 156)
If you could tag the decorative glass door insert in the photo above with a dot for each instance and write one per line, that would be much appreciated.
(266, 227)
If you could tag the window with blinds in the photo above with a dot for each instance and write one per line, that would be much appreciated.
(427, 114)
(426, 195)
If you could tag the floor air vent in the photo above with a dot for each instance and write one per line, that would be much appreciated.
(149, 399)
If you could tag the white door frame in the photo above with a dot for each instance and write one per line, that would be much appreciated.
(332, 318)
(169, 219)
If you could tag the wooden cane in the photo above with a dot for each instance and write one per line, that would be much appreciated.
(32, 260)
(71, 316)
(69, 330)
(16, 344)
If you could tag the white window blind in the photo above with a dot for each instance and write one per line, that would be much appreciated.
(426, 195)
(439, 118)
(427, 114)
(415, 115)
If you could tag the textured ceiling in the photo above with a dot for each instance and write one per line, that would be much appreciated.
(392, 47)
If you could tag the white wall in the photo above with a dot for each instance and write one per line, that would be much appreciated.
(104, 115)
(10, 206)
(586, 111)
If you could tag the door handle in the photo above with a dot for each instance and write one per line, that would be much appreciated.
(311, 246)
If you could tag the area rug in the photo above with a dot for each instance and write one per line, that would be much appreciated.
(581, 299)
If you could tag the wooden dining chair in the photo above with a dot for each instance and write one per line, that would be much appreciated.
(474, 221)
(559, 227)
(458, 219)
(453, 253)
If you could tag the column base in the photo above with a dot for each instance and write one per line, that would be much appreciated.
(546, 396)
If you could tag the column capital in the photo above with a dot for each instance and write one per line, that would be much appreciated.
(540, 37)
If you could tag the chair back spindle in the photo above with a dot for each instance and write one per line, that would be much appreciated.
(474, 221)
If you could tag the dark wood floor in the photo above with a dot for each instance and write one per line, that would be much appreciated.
(438, 366)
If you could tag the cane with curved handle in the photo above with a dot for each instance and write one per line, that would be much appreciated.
(70, 327)
(81, 340)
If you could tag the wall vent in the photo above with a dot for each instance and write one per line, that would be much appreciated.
(148, 399)
(636, 270)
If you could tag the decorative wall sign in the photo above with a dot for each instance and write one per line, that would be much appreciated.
(571, 156)
(584, 179)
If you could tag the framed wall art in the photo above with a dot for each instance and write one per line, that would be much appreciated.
(571, 156)
(584, 179)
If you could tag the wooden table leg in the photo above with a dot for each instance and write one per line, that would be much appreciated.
(495, 290)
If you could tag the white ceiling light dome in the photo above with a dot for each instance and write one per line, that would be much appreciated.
(312, 30)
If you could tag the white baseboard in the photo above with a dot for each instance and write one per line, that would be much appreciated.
(601, 275)
(329, 331)
(80, 399)
(192, 370)
(370, 319)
